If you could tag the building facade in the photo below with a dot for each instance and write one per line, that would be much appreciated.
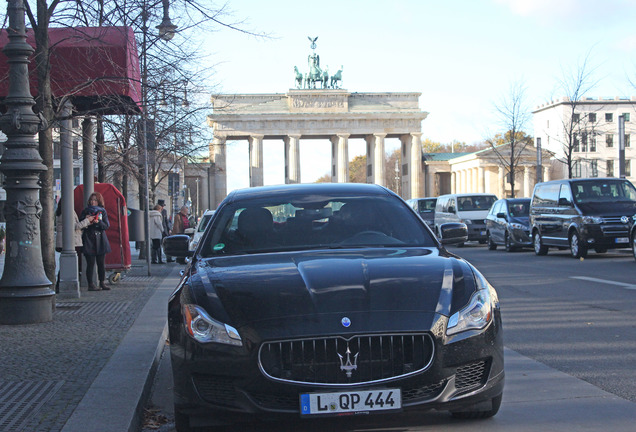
(593, 123)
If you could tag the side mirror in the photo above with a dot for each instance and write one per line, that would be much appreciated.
(177, 246)
(501, 215)
(451, 209)
(565, 202)
(188, 231)
(453, 233)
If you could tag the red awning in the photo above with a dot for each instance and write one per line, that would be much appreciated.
(97, 66)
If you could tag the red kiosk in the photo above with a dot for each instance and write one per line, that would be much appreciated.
(119, 259)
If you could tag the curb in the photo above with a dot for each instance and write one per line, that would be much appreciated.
(115, 400)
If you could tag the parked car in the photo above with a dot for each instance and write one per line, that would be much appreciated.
(425, 207)
(468, 208)
(315, 300)
(507, 224)
(582, 214)
(200, 228)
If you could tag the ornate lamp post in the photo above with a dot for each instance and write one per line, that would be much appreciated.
(25, 292)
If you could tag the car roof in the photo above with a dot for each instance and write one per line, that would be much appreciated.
(358, 189)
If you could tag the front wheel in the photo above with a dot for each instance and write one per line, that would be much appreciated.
(539, 247)
(508, 243)
(181, 421)
(495, 404)
(578, 249)
(634, 244)
(491, 244)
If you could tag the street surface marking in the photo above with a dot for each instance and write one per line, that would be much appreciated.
(607, 282)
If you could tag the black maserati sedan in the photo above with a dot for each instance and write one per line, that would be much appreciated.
(315, 300)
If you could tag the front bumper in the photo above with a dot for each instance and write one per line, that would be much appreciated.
(466, 370)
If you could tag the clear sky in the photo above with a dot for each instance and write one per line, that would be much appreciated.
(461, 55)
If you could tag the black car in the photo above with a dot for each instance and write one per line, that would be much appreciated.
(329, 299)
(507, 224)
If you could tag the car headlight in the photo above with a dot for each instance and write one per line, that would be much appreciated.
(204, 329)
(518, 226)
(477, 314)
(592, 220)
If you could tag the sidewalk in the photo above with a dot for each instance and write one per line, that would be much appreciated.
(91, 367)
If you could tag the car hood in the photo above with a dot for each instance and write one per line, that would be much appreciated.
(306, 285)
(523, 220)
(620, 208)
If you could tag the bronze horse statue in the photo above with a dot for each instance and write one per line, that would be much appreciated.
(335, 78)
(299, 78)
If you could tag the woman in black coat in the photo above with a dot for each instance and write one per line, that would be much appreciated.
(94, 241)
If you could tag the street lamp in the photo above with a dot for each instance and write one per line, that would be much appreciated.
(25, 291)
(166, 32)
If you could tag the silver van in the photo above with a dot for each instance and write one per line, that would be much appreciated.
(468, 208)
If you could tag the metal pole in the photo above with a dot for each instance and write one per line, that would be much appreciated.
(621, 146)
(539, 161)
(25, 291)
(144, 90)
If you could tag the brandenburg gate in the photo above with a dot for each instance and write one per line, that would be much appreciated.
(326, 113)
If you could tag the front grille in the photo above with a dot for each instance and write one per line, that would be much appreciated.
(470, 376)
(338, 360)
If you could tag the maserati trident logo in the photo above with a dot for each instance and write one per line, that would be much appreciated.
(347, 365)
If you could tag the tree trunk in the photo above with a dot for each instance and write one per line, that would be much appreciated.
(99, 144)
(44, 105)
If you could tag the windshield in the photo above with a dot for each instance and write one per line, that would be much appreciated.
(203, 223)
(301, 223)
(427, 205)
(468, 203)
(519, 209)
(603, 191)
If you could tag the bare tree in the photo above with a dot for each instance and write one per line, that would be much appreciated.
(574, 85)
(513, 115)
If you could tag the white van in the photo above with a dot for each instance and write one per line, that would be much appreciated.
(468, 208)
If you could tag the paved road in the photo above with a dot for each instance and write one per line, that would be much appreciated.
(570, 347)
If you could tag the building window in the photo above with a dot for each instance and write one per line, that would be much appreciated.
(575, 145)
(592, 117)
(609, 140)
(584, 142)
(609, 117)
(576, 117)
(628, 168)
(594, 167)
(576, 169)
(609, 168)
(593, 144)
(626, 116)
(627, 144)
(57, 149)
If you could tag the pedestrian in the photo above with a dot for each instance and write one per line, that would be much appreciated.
(156, 233)
(167, 226)
(94, 240)
(181, 221)
(77, 237)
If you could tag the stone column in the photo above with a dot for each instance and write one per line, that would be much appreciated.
(546, 173)
(405, 169)
(416, 165)
(292, 159)
(256, 160)
(453, 182)
(69, 283)
(334, 159)
(481, 180)
(88, 148)
(501, 183)
(342, 174)
(379, 166)
(218, 153)
(526, 182)
(487, 174)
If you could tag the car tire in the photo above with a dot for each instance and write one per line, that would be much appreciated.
(539, 247)
(469, 415)
(508, 244)
(491, 244)
(181, 260)
(600, 250)
(634, 244)
(578, 249)
(181, 421)
(460, 245)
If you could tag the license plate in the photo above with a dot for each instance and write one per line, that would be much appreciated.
(482, 233)
(350, 402)
(622, 240)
